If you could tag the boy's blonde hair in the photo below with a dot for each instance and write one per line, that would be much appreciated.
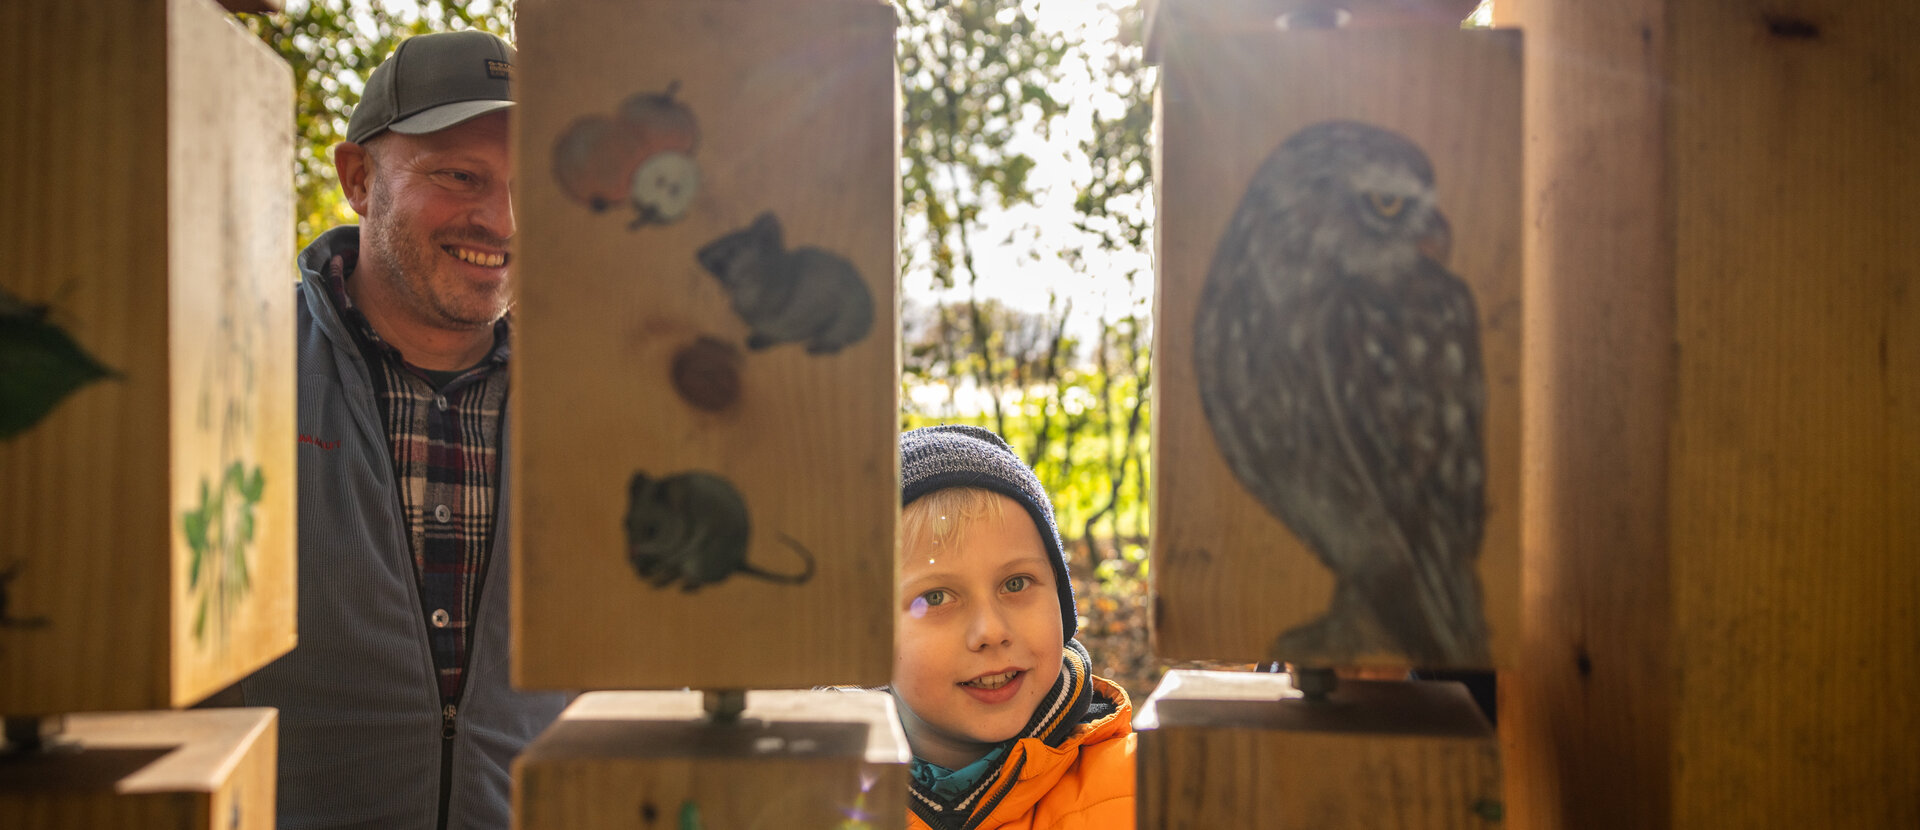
(942, 516)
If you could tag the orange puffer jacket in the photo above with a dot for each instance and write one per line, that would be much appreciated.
(1084, 784)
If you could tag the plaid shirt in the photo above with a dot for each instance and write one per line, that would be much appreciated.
(445, 444)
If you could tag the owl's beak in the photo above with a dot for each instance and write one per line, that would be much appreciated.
(1437, 243)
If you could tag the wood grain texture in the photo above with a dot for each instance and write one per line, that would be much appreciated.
(1721, 419)
(797, 115)
(105, 185)
(1794, 492)
(1586, 717)
(1244, 750)
(1229, 577)
(210, 769)
(639, 759)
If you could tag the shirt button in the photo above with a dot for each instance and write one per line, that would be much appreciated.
(440, 402)
(441, 514)
(440, 618)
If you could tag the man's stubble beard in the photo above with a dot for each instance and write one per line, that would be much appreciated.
(406, 264)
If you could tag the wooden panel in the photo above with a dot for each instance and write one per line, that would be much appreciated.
(642, 518)
(230, 199)
(113, 166)
(1231, 578)
(1217, 748)
(646, 759)
(1721, 413)
(1795, 492)
(211, 769)
(1586, 717)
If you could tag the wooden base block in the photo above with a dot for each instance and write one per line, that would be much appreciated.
(652, 759)
(1226, 749)
(211, 768)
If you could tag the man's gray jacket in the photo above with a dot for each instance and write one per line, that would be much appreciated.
(364, 741)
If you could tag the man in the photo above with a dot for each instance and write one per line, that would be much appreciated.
(395, 710)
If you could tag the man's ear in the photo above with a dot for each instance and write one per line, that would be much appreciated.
(350, 160)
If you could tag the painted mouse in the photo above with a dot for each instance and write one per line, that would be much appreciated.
(691, 529)
(808, 294)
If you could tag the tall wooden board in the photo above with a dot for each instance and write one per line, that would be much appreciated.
(650, 759)
(1719, 612)
(210, 769)
(147, 528)
(1231, 578)
(707, 355)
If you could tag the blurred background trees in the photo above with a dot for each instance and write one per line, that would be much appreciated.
(998, 94)
(332, 46)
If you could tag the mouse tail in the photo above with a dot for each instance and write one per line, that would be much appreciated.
(806, 573)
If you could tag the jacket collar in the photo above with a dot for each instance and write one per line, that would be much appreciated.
(1055, 724)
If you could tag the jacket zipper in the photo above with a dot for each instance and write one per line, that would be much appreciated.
(449, 715)
(450, 710)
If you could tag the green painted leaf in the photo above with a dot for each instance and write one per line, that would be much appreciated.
(39, 366)
(254, 486)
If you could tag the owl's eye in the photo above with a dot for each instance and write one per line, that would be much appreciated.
(1388, 205)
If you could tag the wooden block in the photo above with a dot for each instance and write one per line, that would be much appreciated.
(651, 759)
(147, 526)
(1384, 441)
(209, 768)
(1226, 749)
(1723, 384)
(675, 482)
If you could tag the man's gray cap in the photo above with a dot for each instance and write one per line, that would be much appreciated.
(432, 82)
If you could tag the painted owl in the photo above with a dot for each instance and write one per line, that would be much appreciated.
(1339, 368)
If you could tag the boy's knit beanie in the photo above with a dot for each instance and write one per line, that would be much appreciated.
(955, 455)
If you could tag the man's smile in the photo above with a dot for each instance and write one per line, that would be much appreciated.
(476, 257)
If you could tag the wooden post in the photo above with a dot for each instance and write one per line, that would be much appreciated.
(707, 359)
(146, 457)
(705, 412)
(652, 759)
(1723, 389)
(1337, 413)
(211, 769)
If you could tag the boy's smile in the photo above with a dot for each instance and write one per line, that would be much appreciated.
(979, 634)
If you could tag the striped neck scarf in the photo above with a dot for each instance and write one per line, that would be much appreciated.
(1064, 707)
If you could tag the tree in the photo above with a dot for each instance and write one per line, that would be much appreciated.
(332, 46)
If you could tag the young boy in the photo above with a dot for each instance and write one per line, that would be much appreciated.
(1007, 725)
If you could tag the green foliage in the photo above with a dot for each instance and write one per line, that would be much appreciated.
(332, 46)
(974, 74)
